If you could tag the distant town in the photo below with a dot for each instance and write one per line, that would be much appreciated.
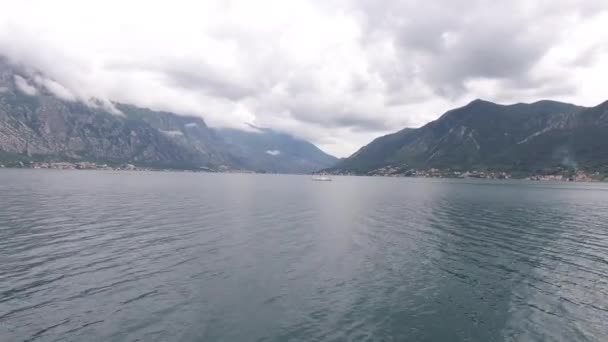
(106, 167)
(557, 175)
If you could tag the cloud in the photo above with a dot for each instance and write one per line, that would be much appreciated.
(273, 153)
(172, 133)
(23, 86)
(55, 88)
(194, 75)
(338, 73)
(480, 42)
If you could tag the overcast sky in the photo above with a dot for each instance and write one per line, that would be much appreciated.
(336, 72)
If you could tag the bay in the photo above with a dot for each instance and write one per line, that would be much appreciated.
(151, 256)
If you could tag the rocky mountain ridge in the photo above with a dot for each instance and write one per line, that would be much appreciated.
(41, 120)
(486, 136)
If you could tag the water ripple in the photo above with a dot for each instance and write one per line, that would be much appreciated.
(189, 257)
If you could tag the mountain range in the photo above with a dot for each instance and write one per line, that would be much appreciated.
(482, 135)
(40, 120)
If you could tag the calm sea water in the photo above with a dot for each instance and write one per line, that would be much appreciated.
(106, 256)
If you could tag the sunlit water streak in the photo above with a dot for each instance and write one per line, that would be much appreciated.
(106, 256)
